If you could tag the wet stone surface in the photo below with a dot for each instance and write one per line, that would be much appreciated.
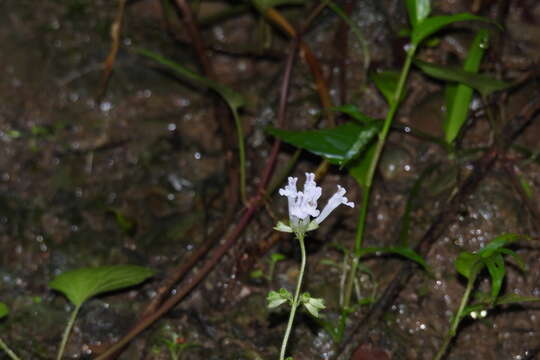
(141, 177)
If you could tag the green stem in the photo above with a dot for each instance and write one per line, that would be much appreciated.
(8, 351)
(67, 332)
(371, 172)
(455, 322)
(294, 304)
(241, 153)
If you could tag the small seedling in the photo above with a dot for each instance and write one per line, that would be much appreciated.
(470, 265)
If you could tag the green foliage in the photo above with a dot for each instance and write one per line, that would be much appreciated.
(338, 145)
(418, 10)
(458, 97)
(312, 305)
(4, 310)
(263, 5)
(484, 84)
(81, 284)
(276, 298)
(431, 25)
(387, 82)
(491, 257)
(354, 113)
(398, 250)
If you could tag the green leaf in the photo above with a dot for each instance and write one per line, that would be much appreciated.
(234, 99)
(433, 24)
(519, 261)
(312, 305)
(468, 264)
(498, 243)
(496, 268)
(386, 82)
(484, 84)
(514, 299)
(354, 112)
(4, 310)
(276, 298)
(418, 10)
(81, 284)
(399, 250)
(458, 97)
(359, 168)
(338, 145)
(276, 257)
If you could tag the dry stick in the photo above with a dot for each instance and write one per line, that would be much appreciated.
(444, 218)
(116, 27)
(230, 240)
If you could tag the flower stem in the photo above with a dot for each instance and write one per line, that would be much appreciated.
(67, 332)
(8, 351)
(294, 305)
(371, 173)
(455, 321)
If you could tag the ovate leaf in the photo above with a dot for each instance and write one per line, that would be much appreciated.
(338, 145)
(459, 96)
(4, 310)
(484, 84)
(82, 284)
(386, 82)
(433, 24)
(418, 10)
(468, 264)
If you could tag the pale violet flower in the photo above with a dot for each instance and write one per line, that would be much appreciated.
(303, 205)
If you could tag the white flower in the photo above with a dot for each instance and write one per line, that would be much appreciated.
(303, 205)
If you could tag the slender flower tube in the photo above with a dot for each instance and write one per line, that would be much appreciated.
(303, 205)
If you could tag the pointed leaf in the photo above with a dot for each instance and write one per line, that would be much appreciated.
(519, 261)
(359, 168)
(338, 145)
(515, 299)
(4, 310)
(386, 82)
(496, 268)
(233, 98)
(468, 264)
(82, 284)
(399, 250)
(418, 10)
(497, 243)
(484, 84)
(354, 112)
(458, 97)
(433, 24)
(276, 257)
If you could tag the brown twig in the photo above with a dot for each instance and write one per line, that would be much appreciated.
(447, 215)
(108, 65)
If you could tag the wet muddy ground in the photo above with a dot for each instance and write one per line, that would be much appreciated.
(142, 175)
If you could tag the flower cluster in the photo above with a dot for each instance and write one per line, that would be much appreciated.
(303, 205)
